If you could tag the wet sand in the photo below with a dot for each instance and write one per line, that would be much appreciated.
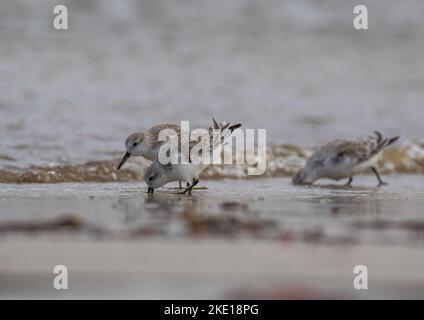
(261, 238)
(207, 269)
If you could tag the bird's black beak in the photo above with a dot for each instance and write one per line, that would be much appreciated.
(124, 159)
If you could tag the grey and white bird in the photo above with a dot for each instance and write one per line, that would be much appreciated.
(146, 144)
(159, 174)
(344, 158)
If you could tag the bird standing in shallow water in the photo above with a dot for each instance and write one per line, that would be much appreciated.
(344, 158)
(158, 174)
(146, 144)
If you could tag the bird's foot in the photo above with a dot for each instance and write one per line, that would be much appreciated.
(349, 183)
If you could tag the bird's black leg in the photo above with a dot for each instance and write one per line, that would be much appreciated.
(179, 185)
(349, 183)
(190, 187)
(380, 182)
(195, 181)
(150, 190)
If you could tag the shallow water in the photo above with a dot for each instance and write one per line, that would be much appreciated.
(239, 238)
(296, 68)
(263, 209)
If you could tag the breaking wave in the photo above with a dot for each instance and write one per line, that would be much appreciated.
(281, 160)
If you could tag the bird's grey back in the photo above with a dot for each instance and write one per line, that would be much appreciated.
(359, 150)
(154, 132)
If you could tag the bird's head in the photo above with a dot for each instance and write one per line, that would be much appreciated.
(134, 145)
(154, 176)
(306, 175)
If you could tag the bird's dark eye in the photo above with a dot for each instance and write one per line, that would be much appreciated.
(150, 178)
(134, 144)
(341, 154)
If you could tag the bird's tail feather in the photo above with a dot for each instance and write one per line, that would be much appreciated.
(392, 140)
(383, 142)
(221, 132)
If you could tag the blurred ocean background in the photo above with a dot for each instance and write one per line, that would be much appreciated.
(297, 68)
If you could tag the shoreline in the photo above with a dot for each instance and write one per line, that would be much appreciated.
(280, 161)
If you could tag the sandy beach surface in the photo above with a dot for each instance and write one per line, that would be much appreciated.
(256, 238)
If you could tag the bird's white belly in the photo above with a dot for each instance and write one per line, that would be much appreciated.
(187, 172)
(346, 171)
(365, 165)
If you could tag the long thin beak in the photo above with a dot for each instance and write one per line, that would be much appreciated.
(124, 159)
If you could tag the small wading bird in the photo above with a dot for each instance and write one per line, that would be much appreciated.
(158, 174)
(344, 158)
(146, 144)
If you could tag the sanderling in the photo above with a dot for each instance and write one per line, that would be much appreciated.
(158, 174)
(344, 158)
(145, 144)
